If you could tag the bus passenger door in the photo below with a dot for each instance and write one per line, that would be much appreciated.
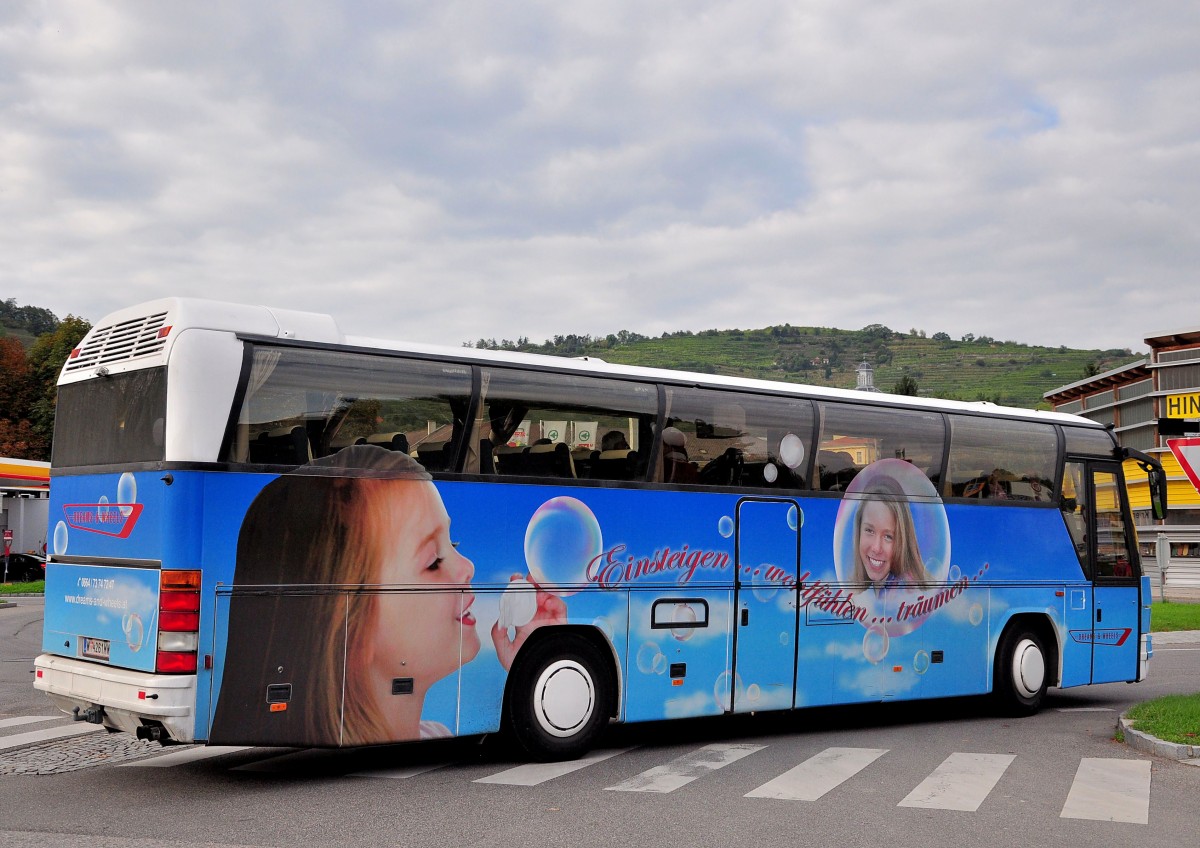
(768, 553)
(1107, 620)
(1116, 591)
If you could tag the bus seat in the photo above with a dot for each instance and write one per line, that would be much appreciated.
(391, 441)
(581, 460)
(281, 446)
(338, 442)
(618, 464)
(552, 460)
(433, 455)
(724, 470)
(510, 459)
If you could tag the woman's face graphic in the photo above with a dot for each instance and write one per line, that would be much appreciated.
(876, 540)
(425, 635)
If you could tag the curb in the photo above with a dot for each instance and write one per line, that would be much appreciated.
(1189, 754)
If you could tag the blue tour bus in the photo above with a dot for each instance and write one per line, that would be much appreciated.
(267, 532)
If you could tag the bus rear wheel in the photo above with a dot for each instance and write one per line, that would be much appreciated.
(1021, 675)
(558, 698)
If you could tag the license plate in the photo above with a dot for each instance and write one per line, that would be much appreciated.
(96, 649)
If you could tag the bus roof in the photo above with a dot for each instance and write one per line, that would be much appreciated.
(141, 337)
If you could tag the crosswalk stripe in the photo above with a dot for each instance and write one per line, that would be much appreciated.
(961, 782)
(531, 774)
(19, 720)
(34, 736)
(1110, 790)
(683, 770)
(400, 773)
(190, 755)
(818, 774)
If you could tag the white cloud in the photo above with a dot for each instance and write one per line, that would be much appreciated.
(1016, 172)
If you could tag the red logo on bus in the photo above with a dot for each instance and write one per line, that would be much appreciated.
(116, 520)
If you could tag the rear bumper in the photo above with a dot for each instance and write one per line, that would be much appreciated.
(130, 698)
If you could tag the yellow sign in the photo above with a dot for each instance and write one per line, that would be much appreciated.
(1183, 406)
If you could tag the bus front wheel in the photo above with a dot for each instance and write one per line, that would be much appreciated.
(1021, 675)
(558, 698)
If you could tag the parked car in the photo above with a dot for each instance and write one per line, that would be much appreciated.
(25, 568)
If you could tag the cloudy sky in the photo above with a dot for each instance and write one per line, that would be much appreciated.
(448, 170)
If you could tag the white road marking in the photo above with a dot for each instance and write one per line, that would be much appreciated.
(178, 758)
(531, 774)
(1110, 790)
(961, 782)
(19, 720)
(818, 774)
(34, 736)
(685, 769)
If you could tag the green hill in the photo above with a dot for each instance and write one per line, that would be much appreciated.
(970, 368)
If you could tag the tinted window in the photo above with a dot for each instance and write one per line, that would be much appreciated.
(302, 404)
(729, 439)
(536, 424)
(852, 437)
(995, 459)
(111, 420)
(1088, 442)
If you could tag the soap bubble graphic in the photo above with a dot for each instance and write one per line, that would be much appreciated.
(955, 574)
(684, 615)
(921, 662)
(770, 472)
(651, 660)
(102, 507)
(795, 518)
(562, 538)
(876, 643)
(722, 691)
(518, 605)
(131, 626)
(605, 626)
(753, 693)
(60, 537)
(725, 526)
(127, 493)
(975, 615)
(764, 588)
(791, 450)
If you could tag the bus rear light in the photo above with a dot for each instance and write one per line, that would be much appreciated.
(179, 621)
(179, 601)
(163, 332)
(169, 579)
(75, 353)
(175, 662)
(168, 641)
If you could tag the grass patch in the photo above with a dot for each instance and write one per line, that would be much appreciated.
(37, 586)
(1174, 718)
(1167, 616)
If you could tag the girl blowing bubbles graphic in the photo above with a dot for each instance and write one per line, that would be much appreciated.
(369, 522)
(885, 539)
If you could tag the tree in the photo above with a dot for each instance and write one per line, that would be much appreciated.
(906, 385)
(1091, 369)
(46, 359)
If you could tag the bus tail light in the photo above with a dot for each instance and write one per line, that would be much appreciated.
(178, 622)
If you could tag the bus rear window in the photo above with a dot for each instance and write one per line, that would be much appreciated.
(114, 420)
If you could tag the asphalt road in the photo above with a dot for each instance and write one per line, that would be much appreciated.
(932, 773)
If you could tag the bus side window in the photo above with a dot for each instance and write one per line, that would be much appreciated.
(852, 437)
(999, 460)
(564, 426)
(717, 438)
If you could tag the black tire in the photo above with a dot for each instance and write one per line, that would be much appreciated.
(1021, 674)
(558, 697)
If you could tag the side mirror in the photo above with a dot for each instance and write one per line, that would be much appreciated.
(1157, 479)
